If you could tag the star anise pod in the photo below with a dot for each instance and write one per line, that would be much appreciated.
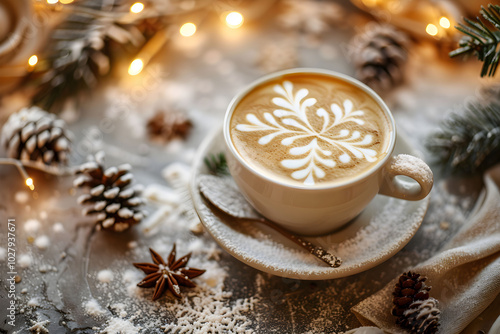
(168, 275)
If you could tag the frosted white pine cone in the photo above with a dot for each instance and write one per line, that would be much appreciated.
(33, 134)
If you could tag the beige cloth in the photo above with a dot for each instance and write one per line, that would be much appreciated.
(464, 275)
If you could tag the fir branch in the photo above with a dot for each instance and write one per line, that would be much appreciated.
(470, 142)
(217, 164)
(79, 52)
(482, 39)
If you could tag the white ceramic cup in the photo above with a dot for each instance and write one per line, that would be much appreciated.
(319, 209)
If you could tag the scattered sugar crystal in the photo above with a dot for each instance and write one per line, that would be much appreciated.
(24, 260)
(132, 244)
(105, 276)
(3, 254)
(33, 302)
(119, 308)
(130, 276)
(42, 242)
(120, 326)
(24, 291)
(58, 227)
(31, 226)
(22, 197)
(93, 308)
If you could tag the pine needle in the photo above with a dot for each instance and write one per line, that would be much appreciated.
(217, 164)
(482, 39)
(469, 142)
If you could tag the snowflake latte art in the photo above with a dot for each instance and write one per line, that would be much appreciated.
(310, 129)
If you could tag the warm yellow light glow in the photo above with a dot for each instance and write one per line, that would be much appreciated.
(444, 22)
(51, 2)
(431, 29)
(370, 3)
(188, 29)
(33, 60)
(65, 2)
(135, 67)
(234, 20)
(137, 7)
(29, 183)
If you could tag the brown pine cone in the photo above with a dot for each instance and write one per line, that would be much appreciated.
(33, 134)
(379, 54)
(416, 312)
(110, 197)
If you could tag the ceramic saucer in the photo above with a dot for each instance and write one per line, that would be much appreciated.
(379, 232)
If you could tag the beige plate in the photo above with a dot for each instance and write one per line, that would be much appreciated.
(379, 232)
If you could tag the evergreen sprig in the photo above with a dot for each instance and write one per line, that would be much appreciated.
(482, 39)
(217, 164)
(79, 52)
(469, 142)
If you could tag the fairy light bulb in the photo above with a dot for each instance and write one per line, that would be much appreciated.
(234, 20)
(136, 67)
(33, 60)
(431, 29)
(51, 2)
(137, 7)
(188, 29)
(444, 22)
(29, 183)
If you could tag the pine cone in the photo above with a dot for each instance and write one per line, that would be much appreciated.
(167, 126)
(111, 198)
(379, 54)
(410, 293)
(33, 134)
(423, 316)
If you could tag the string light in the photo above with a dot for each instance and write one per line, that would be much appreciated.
(188, 29)
(33, 61)
(27, 179)
(136, 67)
(444, 22)
(137, 7)
(234, 20)
(29, 183)
(431, 29)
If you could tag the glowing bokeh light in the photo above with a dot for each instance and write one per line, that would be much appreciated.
(33, 60)
(234, 20)
(431, 29)
(444, 22)
(137, 7)
(29, 183)
(188, 29)
(136, 67)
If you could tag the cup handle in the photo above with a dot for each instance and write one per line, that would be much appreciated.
(412, 167)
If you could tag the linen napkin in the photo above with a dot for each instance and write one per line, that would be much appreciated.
(464, 275)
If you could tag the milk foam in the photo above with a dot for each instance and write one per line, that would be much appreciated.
(310, 129)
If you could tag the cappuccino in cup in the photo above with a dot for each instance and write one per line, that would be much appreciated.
(310, 129)
(310, 149)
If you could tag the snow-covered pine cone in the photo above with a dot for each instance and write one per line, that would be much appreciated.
(423, 316)
(36, 135)
(411, 293)
(379, 54)
(111, 198)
